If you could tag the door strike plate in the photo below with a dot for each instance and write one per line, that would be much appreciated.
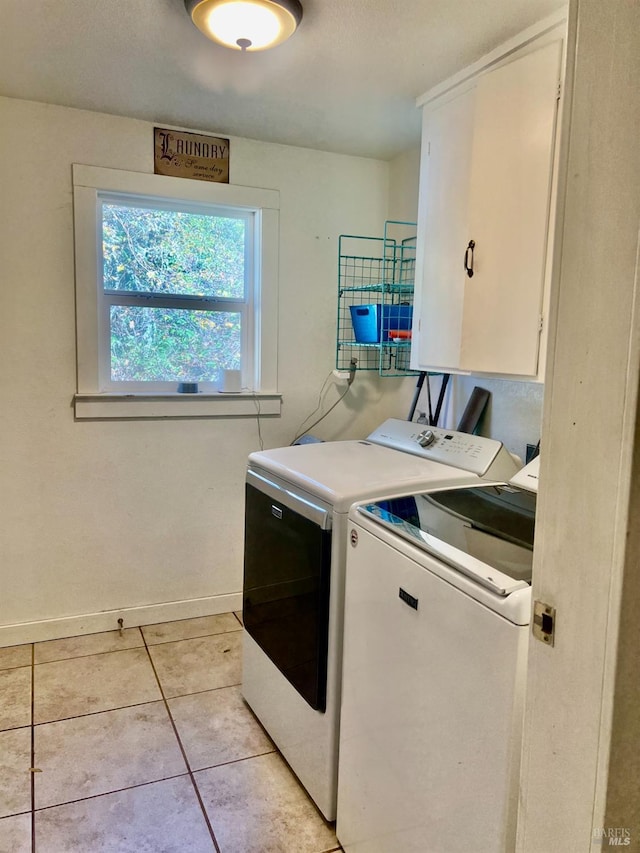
(544, 622)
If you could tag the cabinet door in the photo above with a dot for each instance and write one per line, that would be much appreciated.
(442, 229)
(513, 145)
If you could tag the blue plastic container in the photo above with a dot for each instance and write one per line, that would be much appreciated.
(372, 323)
(366, 323)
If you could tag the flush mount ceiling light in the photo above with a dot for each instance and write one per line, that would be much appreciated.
(246, 24)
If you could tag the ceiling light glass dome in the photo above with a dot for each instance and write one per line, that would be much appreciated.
(246, 24)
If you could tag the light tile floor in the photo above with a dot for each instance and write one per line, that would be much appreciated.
(140, 742)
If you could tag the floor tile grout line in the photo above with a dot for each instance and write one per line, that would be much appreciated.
(162, 698)
(154, 781)
(273, 751)
(95, 713)
(208, 690)
(184, 754)
(198, 637)
(92, 655)
(17, 728)
(32, 773)
(114, 791)
(21, 666)
(112, 631)
(140, 645)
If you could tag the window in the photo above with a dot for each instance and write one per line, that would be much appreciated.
(176, 281)
(176, 294)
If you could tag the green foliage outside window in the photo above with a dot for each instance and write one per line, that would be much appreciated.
(166, 345)
(173, 254)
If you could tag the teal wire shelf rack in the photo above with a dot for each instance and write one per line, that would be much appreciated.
(375, 299)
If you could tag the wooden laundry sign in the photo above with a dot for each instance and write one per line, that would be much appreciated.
(179, 154)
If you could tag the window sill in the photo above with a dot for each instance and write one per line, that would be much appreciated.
(93, 407)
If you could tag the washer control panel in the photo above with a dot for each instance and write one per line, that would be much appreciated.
(485, 457)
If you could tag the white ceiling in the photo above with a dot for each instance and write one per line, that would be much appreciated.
(346, 81)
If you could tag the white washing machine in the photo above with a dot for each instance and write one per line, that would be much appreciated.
(297, 501)
(437, 609)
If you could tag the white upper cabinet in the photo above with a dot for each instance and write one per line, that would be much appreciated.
(443, 215)
(483, 221)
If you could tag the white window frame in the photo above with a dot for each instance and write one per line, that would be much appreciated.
(94, 388)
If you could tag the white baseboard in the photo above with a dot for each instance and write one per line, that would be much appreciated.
(107, 620)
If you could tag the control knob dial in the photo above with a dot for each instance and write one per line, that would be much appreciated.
(426, 438)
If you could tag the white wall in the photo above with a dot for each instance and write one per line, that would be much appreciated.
(404, 176)
(104, 516)
(513, 413)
